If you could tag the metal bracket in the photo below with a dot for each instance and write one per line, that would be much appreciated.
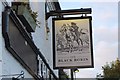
(18, 75)
(68, 12)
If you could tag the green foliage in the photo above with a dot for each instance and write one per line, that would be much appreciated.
(112, 70)
(64, 75)
(33, 13)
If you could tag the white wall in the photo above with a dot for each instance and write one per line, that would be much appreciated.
(0, 40)
(9, 64)
(40, 37)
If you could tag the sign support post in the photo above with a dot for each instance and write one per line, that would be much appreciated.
(71, 74)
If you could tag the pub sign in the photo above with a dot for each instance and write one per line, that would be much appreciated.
(72, 42)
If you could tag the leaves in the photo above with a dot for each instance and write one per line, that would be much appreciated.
(33, 13)
(112, 70)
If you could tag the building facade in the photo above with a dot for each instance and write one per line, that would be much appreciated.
(26, 51)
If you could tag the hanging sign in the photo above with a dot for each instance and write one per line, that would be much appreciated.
(72, 42)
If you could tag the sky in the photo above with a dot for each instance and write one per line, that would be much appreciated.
(105, 32)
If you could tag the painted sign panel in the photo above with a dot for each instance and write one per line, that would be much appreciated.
(72, 42)
(18, 42)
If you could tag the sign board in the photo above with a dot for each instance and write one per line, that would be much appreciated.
(18, 42)
(72, 42)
